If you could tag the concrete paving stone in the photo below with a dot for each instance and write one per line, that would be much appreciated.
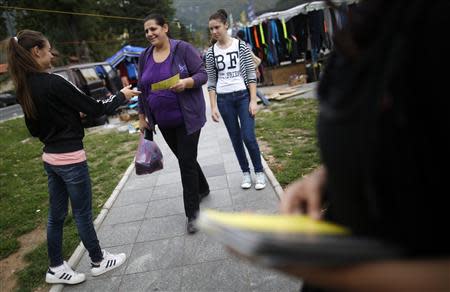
(207, 152)
(162, 227)
(222, 275)
(217, 198)
(168, 191)
(170, 161)
(209, 160)
(226, 149)
(130, 197)
(85, 264)
(125, 214)
(243, 196)
(162, 280)
(213, 169)
(119, 234)
(170, 165)
(97, 285)
(165, 207)
(208, 142)
(234, 179)
(169, 178)
(200, 248)
(147, 181)
(261, 207)
(133, 175)
(227, 152)
(156, 255)
(265, 280)
(222, 134)
(165, 149)
(231, 163)
(232, 167)
(217, 182)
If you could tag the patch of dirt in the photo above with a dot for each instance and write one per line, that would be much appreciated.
(270, 159)
(15, 262)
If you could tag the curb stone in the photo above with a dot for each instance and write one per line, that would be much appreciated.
(272, 179)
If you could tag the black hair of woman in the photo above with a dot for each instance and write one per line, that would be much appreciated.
(221, 15)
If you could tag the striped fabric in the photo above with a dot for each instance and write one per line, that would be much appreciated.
(65, 276)
(245, 61)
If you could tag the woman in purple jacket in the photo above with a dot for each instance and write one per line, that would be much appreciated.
(180, 110)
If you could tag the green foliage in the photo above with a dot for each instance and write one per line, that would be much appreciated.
(288, 131)
(103, 36)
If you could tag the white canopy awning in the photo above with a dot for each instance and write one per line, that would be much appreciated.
(294, 11)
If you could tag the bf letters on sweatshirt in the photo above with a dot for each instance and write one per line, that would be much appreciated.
(228, 69)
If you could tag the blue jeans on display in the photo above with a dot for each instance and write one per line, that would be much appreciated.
(262, 97)
(233, 108)
(70, 182)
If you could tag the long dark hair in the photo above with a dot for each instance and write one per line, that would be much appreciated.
(376, 81)
(21, 63)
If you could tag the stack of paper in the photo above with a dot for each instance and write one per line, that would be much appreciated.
(281, 240)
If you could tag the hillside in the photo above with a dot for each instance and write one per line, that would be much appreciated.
(197, 12)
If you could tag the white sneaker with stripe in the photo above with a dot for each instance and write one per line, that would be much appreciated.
(110, 262)
(63, 275)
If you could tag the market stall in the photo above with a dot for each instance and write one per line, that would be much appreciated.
(297, 40)
(126, 60)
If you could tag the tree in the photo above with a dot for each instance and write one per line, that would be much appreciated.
(65, 31)
(138, 9)
(103, 36)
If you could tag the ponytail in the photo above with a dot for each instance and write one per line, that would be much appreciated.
(21, 63)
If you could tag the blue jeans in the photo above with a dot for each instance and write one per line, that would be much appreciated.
(262, 97)
(64, 182)
(233, 108)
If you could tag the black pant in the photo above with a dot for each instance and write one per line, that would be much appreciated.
(184, 147)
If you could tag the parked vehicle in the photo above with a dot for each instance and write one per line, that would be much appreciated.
(7, 98)
(98, 80)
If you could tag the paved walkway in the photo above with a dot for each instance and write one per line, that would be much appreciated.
(147, 222)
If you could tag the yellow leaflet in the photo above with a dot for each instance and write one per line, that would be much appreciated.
(273, 223)
(166, 84)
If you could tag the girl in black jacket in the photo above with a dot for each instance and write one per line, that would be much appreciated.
(52, 107)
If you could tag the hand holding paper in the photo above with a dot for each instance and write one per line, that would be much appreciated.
(180, 86)
(166, 83)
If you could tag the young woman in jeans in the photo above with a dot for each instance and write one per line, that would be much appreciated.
(52, 107)
(232, 92)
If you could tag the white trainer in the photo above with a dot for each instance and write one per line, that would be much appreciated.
(64, 275)
(246, 180)
(260, 181)
(110, 262)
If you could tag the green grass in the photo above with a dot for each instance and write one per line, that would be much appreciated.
(23, 189)
(287, 135)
